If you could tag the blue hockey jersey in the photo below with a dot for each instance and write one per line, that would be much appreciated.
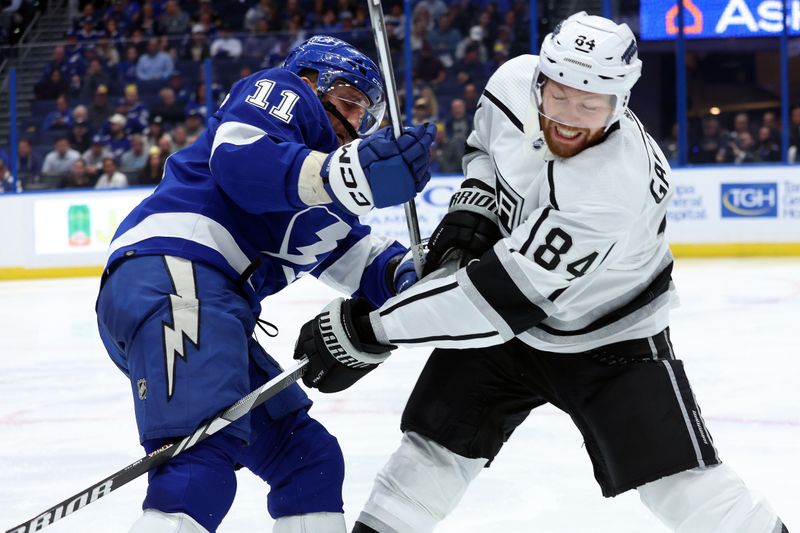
(231, 200)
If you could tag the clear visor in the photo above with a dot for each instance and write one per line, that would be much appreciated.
(573, 107)
(356, 107)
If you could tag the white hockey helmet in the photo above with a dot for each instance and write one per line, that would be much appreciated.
(592, 54)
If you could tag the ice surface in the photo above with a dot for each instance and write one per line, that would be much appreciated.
(66, 412)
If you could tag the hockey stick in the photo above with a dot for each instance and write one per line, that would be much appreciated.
(163, 454)
(382, 45)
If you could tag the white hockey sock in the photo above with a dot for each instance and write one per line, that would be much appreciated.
(419, 485)
(311, 523)
(708, 500)
(154, 521)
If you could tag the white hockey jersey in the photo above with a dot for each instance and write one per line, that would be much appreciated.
(583, 262)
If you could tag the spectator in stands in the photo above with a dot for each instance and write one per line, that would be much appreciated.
(111, 178)
(475, 38)
(80, 137)
(88, 31)
(499, 56)
(165, 144)
(260, 43)
(436, 8)
(155, 64)
(155, 129)
(134, 159)
(741, 124)
(444, 40)
(428, 68)
(7, 182)
(197, 49)
(29, 163)
(96, 76)
(58, 61)
(458, 124)
(60, 160)
(768, 149)
(93, 157)
(51, 87)
(80, 113)
(713, 144)
(794, 125)
(139, 40)
(669, 145)
(205, 23)
(77, 177)
(395, 24)
(770, 120)
(182, 94)
(361, 17)
(136, 113)
(226, 45)
(422, 111)
(470, 68)
(153, 170)
(147, 20)
(263, 11)
(179, 138)
(126, 69)
(419, 30)
(470, 95)
(171, 111)
(445, 153)
(108, 54)
(174, 21)
(743, 150)
(115, 36)
(100, 108)
(794, 134)
(503, 41)
(194, 125)
(118, 141)
(60, 118)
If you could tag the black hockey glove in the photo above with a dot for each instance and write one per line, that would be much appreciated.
(340, 346)
(467, 230)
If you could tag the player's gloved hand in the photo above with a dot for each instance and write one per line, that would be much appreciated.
(404, 275)
(467, 230)
(379, 170)
(340, 345)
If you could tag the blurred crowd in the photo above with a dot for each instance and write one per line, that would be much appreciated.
(124, 87)
(743, 137)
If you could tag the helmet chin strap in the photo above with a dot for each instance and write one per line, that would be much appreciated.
(330, 108)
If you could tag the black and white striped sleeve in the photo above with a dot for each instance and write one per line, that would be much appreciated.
(525, 278)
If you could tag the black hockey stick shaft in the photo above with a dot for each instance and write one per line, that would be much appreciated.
(385, 60)
(163, 454)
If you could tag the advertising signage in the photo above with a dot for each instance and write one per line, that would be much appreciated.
(717, 19)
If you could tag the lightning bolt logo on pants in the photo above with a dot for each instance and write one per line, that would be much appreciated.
(185, 315)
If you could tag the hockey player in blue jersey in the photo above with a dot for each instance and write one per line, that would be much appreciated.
(271, 191)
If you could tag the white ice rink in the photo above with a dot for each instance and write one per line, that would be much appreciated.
(66, 418)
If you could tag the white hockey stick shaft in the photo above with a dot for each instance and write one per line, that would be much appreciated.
(385, 60)
(163, 454)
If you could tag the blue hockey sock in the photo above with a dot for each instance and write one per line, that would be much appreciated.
(199, 482)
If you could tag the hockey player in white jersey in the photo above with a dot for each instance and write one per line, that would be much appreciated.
(562, 296)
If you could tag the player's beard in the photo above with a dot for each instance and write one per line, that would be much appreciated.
(563, 147)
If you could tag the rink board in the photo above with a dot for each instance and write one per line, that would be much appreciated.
(714, 211)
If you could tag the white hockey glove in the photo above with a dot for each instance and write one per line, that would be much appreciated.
(340, 345)
(468, 230)
(379, 170)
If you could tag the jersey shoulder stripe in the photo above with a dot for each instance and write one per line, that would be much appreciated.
(506, 111)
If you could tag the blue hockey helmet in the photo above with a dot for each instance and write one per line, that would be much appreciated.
(337, 61)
